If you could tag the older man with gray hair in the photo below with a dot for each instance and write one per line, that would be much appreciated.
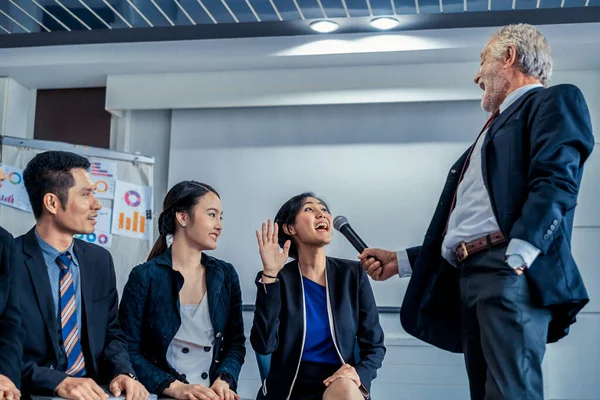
(495, 277)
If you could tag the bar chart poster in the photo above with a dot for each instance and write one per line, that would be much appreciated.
(101, 235)
(12, 190)
(103, 174)
(131, 208)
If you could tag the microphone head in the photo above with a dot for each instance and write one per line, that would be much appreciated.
(339, 221)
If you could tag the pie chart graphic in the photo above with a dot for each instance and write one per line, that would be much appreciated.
(101, 186)
(15, 178)
(133, 198)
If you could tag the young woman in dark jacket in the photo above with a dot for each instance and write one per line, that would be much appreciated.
(316, 315)
(182, 310)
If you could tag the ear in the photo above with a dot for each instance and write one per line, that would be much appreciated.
(51, 203)
(510, 56)
(288, 229)
(182, 218)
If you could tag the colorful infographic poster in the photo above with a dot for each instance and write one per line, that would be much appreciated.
(131, 210)
(12, 190)
(103, 174)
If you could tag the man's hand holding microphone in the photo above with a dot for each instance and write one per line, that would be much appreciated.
(379, 264)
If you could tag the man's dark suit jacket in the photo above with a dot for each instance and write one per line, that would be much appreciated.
(102, 339)
(11, 346)
(532, 161)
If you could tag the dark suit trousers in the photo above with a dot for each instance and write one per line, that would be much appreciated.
(504, 334)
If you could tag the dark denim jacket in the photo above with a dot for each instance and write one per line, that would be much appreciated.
(150, 317)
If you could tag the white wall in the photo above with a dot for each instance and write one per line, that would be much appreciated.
(147, 133)
(17, 109)
(381, 165)
(150, 136)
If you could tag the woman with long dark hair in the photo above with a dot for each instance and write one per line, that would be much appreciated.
(315, 315)
(182, 309)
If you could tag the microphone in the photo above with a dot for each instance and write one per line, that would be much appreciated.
(341, 224)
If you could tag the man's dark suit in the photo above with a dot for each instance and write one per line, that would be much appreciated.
(532, 161)
(11, 346)
(102, 340)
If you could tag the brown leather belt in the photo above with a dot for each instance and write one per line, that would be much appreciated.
(464, 250)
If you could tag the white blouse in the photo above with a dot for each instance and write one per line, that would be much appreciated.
(191, 350)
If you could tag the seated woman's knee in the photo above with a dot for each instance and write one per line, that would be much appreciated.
(342, 389)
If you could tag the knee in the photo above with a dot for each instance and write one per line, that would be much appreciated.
(342, 389)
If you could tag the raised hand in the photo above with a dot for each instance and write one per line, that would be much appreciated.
(273, 259)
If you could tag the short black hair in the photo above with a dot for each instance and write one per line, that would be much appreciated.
(287, 216)
(50, 172)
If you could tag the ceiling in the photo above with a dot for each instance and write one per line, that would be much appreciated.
(56, 22)
(78, 43)
(574, 47)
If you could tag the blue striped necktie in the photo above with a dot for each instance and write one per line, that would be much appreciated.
(68, 319)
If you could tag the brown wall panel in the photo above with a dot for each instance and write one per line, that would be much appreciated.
(74, 116)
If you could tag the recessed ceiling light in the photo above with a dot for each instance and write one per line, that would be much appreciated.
(384, 23)
(324, 26)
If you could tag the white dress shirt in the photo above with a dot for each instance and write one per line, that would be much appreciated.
(473, 216)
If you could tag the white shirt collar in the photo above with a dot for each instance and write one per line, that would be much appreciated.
(515, 95)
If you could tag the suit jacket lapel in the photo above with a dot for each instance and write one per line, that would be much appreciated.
(334, 293)
(214, 283)
(41, 285)
(86, 285)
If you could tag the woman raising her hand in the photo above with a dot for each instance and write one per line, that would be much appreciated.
(313, 313)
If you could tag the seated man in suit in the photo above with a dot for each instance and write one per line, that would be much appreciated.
(11, 347)
(73, 341)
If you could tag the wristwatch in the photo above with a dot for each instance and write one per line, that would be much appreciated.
(515, 261)
(132, 376)
(227, 378)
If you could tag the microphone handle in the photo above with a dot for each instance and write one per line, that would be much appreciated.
(353, 238)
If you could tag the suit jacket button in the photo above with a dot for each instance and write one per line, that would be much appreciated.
(546, 237)
(218, 335)
(185, 350)
(453, 171)
(552, 227)
(555, 222)
(549, 232)
(204, 375)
